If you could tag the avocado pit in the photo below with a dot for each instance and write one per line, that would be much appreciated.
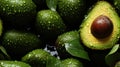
(101, 27)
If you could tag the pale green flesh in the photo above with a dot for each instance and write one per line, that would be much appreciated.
(101, 8)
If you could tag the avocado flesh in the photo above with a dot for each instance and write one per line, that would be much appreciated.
(100, 8)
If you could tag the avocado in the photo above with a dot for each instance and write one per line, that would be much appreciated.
(62, 40)
(49, 24)
(100, 29)
(116, 4)
(72, 12)
(18, 43)
(71, 62)
(37, 58)
(17, 13)
(8, 63)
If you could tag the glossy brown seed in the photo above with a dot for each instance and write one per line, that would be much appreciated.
(101, 27)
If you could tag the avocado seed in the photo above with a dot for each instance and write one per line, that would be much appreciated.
(101, 27)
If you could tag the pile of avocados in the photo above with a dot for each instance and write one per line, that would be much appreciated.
(59, 33)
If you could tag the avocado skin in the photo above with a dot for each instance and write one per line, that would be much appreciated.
(116, 4)
(49, 24)
(36, 58)
(72, 12)
(7, 63)
(65, 38)
(70, 62)
(17, 13)
(18, 43)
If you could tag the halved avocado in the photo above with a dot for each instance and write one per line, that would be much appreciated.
(100, 29)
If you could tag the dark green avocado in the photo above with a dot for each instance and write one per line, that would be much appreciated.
(72, 12)
(62, 40)
(100, 29)
(49, 24)
(71, 62)
(116, 4)
(18, 43)
(37, 58)
(7, 63)
(17, 12)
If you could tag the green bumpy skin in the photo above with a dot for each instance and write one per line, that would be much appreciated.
(70, 62)
(36, 58)
(17, 12)
(49, 24)
(116, 4)
(100, 8)
(18, 43)
(71, 11)
(65, 38)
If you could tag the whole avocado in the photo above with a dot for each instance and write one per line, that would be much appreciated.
(17, 13)
(38, 58)
(49, 24)
(116, 4)
(72, 12)
(71, 62)
(64, 38)
(18, 43)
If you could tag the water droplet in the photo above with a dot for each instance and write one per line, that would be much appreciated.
(51, 17)
(15, 11)
(24, 2)
(71, 9)
(19, 10)
(29, 55)
(48, 28)
(53, 25)
(3, 9)
(115, 3)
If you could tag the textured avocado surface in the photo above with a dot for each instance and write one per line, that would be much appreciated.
(18, 43)
(116, 4)
(49, 24)
(71, 11)
(17, 12)
(7, 63)
(63, 39)
(100, 8)
(36, 58)
(70, 62)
